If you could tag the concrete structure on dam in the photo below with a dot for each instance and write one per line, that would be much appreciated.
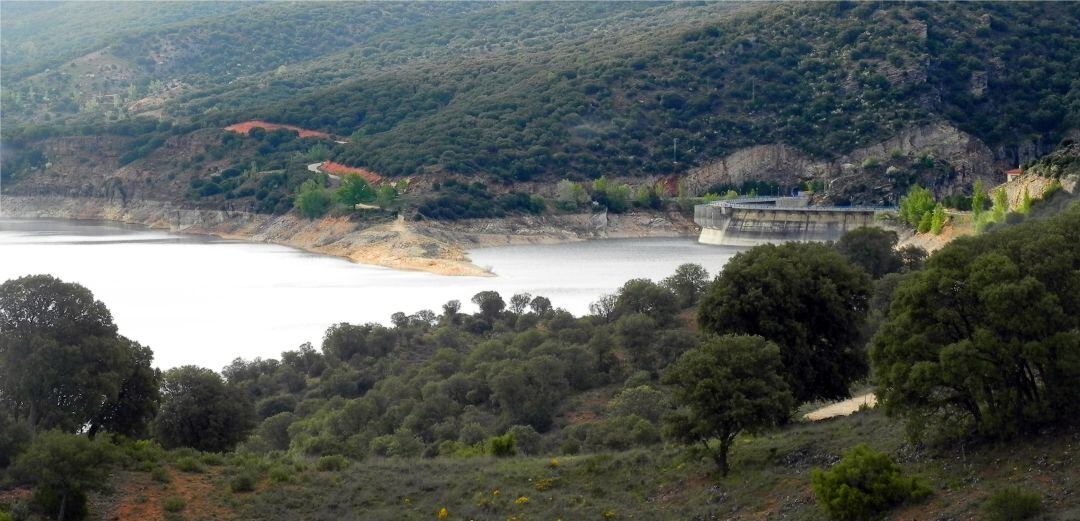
(760, 220)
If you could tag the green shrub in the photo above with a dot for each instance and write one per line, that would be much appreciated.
(1013, 504)
(212, 459)
(331, 463)
(174, 504)
(864, 484)
(160, 475)
(190, 464)
(502, 446)
(244, 481)
(280, 474)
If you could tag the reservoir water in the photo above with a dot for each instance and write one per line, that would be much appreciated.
(205, 301)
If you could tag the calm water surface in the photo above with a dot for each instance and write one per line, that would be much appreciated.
(204, 301)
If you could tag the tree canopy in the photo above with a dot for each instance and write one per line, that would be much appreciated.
(985, 338)
(807, 299)
(199, 410)
(727, 386)
(62, 364)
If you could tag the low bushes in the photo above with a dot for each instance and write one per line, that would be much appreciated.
(331, 463)
(1013, 504)
(864, 484)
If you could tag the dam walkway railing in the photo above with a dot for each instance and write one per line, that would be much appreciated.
(777, 203)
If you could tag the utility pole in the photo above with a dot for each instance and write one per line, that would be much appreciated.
(675, 152)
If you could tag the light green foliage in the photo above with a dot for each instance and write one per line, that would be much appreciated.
(926, 223)
(354, 189)
(312, 200)
(386, 195)
(1001, 205)
(937, 222)
(1025, 203)
(190, 464)
(978, 199)
(570, 195)
(642, 401)
(318, 153)
(1013, 504)
(984, 339)
(331, 463)
(727, 386)
(65, 467)
(807, 299)
(916, 206)
(864, 484)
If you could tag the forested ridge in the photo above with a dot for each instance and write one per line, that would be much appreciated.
(530, 91)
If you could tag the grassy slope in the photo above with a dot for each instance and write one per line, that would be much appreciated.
(770, 481)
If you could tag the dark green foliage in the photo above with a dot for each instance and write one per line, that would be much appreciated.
(727, 386)
(490, 303)
(984, 339)
(872, 249)
(1013, 504)
(645, 297)
(807, 299)
(864, 484)
(199, 410)
(14, 436)
(688, 283)
(63, 468)
(173, 504)
(502, 446)
(62, 365)
(244, 480)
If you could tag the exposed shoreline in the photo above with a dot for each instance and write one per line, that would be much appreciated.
(430, 246)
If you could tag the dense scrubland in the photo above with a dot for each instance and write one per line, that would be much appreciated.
(673, 399)
(501, 94)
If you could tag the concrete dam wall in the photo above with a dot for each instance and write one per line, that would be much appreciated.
(761, 220)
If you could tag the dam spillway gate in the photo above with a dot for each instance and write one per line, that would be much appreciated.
(759, 220)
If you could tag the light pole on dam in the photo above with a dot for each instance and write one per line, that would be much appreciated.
(759, 220)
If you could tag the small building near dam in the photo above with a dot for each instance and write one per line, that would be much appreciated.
(760, 220)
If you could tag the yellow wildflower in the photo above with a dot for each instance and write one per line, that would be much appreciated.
(553, 463)
(521, 501)
(444, 513)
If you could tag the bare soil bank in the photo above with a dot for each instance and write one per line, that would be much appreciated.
(431, 246)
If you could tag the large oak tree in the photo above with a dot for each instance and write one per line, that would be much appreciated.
(807, 299)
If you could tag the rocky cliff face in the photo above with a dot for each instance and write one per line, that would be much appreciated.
(940, 157)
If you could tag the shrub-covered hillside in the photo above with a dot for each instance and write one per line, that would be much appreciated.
(526, 91)
(669, 398)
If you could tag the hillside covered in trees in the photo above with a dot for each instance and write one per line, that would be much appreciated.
(509, 93)
(670, 400)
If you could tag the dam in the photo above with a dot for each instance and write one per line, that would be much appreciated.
(751, 221)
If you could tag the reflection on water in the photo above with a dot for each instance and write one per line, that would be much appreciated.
(205, 301)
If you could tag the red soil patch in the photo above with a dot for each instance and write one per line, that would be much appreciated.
(247, 126)
(141, 498)
(331, 167)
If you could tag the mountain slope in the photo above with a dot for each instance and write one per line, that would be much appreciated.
(521, 92)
